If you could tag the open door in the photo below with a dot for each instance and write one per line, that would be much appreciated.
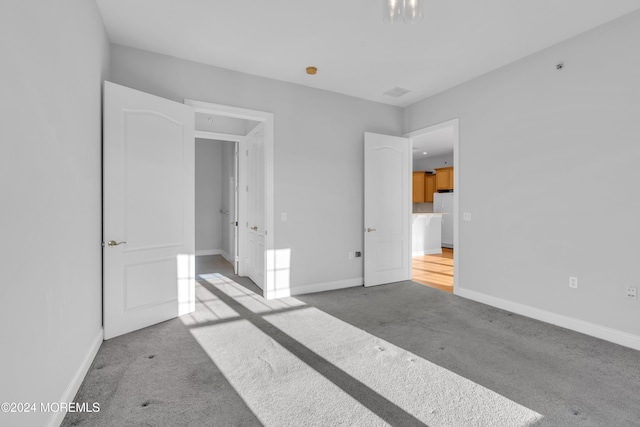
(234, 203)
(255, 225)
(148, 208)
(387, 209)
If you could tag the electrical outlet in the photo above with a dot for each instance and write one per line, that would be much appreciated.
(573, 282)
(350, 255)
(632, 292)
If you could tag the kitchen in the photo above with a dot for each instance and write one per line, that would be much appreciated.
(433, 214)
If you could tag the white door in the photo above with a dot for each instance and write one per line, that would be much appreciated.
(255, 208)
(387, 209)
(149, 204)
(233, 203)
(231, 225)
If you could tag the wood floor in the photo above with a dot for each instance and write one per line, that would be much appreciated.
(434, 270)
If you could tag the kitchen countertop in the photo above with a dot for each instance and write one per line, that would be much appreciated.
(426, 233)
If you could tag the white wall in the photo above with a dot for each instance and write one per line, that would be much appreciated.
(318, 153)
(54, 56)
(432, 162)
(549, 169)
(208, 196)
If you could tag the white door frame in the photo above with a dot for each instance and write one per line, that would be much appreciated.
(266, 122)
(455, 124)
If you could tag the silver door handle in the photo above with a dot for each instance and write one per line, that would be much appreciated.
(113, 243)
(369, 230)
(254, 228)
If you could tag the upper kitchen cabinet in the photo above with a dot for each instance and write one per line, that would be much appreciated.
(429, 187)
(418, 187)
(444, 179)
(424, 185)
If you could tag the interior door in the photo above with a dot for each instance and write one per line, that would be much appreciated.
(233, 193)
(387, 209)
(149, 204)
(256, 208)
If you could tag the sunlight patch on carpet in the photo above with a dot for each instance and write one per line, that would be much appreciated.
(277, 386)
(425, 390)
(250, 300)
(208, 308)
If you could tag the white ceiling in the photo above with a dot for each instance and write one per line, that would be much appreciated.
(355, 52)
(435, 143)
(221, 124)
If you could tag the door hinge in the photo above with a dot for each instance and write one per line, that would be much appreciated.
(103, 244)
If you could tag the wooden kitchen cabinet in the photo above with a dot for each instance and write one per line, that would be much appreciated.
(444, 178)
(424, 185)
(429, 187)
(418, 187)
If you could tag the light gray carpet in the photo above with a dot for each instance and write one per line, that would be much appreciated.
(399, 354)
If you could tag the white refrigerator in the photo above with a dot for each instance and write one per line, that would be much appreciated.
(443, 202)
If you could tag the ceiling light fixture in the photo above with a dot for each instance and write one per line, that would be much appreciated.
(407, 11)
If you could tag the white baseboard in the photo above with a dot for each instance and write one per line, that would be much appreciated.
(70, 392)
(602, 332)
(200, 252)
(225, 255)
(316, 287)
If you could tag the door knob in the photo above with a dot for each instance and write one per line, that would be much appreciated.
(369, 230)
(113, 243)
(254, 228)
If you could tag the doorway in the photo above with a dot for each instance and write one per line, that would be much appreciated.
(436, 187)
(249, 215)
(216, 202)
(149, 204)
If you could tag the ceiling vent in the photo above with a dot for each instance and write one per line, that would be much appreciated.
(396, 92)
